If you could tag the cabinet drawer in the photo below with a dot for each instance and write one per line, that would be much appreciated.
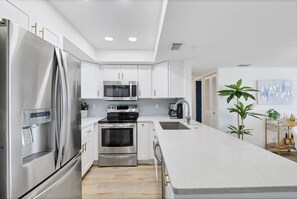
(87, 133)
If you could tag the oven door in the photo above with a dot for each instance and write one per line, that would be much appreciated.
(120, 90)
(117, 138)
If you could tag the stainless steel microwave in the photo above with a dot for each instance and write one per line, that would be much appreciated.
(120, 90)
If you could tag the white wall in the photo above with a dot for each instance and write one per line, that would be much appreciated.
(128, 56)
(250, 76)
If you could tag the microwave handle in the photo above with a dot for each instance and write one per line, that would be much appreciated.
(130, 89)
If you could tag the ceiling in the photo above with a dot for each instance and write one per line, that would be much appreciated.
(214, 33)
(119, 19)
(229, 32)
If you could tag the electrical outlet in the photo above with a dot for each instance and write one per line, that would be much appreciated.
(94, 106)
(157, 106)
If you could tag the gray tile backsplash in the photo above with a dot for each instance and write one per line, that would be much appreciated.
(147, 107)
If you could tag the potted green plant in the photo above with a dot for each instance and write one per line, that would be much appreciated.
(273, 114)
(237, 91)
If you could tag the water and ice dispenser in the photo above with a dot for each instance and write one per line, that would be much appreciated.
(37, 134)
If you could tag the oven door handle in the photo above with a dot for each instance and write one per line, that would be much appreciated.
(117, 125)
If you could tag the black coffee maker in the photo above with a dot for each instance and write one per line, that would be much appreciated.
(175, 114)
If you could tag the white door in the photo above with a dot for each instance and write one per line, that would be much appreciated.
(142, 144)
(160, 80)
(90, 81)
(112, 73)
(176, 79)
(129, 72)
(144, 81)
(210, 101)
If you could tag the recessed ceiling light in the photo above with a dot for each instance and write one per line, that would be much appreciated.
(132, 39)
(108, 38)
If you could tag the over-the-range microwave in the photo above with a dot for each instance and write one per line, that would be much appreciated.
(120, 90)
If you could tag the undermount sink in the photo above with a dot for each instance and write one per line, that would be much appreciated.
(173, 126)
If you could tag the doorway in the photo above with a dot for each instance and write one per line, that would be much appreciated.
(198, 87)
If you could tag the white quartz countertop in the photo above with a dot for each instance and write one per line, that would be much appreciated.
(89, 121)
(204, 160)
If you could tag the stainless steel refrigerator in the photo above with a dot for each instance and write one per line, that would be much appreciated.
(39, 117)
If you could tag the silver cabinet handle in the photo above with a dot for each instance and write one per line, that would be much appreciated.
(154, 92)
(42, 33)
(122, 75)
(98, 93)
(34, 27)
(118, 75)
(139, 91)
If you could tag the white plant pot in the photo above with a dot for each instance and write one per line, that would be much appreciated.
(84, 113)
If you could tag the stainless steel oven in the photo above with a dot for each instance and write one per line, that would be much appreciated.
(120, 90)
(117, 138)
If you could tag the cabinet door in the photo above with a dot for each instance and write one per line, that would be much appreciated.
(9, 10)
(90, 81)
(142, 151)
(144, 81)
(160, 80)
(95, 142)
(112, 73)
(151, 137)
(176, 79)
(129, 73)
(49, 36)
(87, 148)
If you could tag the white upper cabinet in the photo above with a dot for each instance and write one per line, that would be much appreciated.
(30, 21)
(160, 80)
(10, 11)
(120, 72)
(176, 79)
(112, 72)
(129, 72)
(145, 81)
(49, 36)
(91, 81)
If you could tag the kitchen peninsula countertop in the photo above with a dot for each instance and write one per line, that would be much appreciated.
(203, 160)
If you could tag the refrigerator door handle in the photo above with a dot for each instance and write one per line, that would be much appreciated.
(67, 114)
(63, 109)
(57, 118)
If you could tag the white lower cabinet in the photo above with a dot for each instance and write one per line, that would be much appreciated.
(87, 143)
(145, 141)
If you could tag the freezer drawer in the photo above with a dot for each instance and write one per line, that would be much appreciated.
(65, 183)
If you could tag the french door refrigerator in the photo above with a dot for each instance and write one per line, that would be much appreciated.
(39, 117)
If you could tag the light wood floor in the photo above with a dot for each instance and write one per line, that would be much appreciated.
(121, 182)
